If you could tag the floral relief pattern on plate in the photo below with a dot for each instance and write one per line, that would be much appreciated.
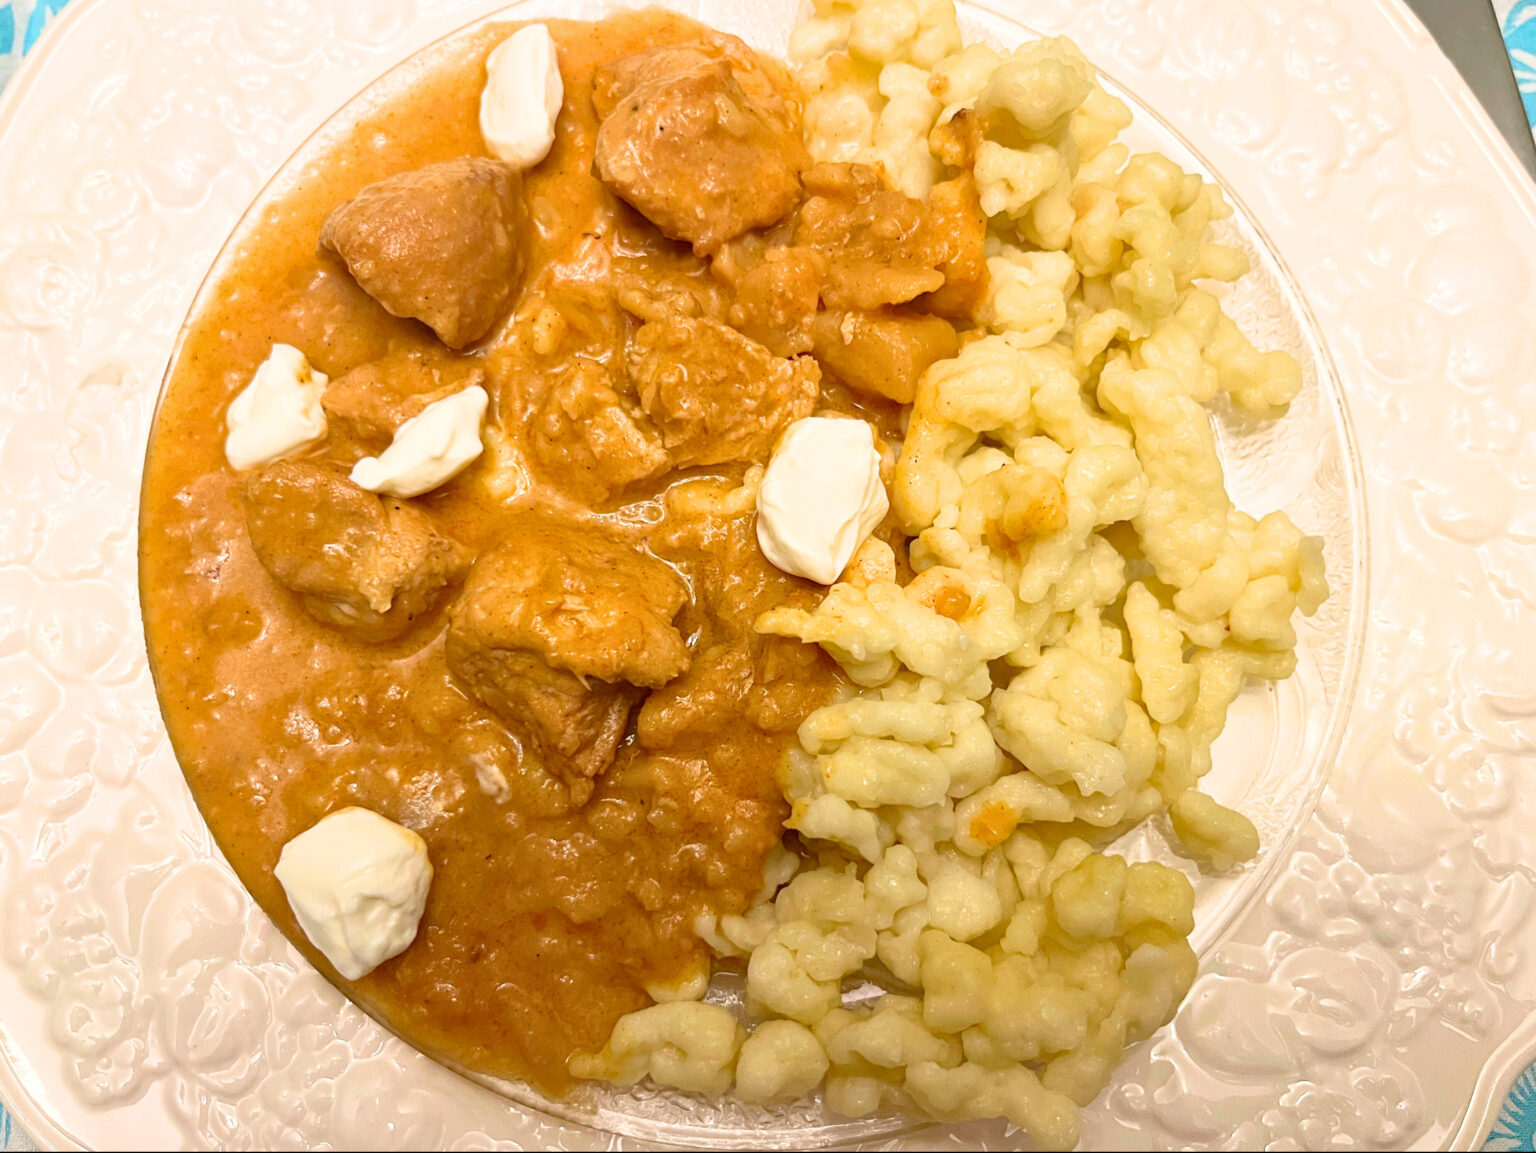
(1361, 999)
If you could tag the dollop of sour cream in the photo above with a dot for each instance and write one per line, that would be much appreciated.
(278, 413)
(820, 497)
(430, 449)
(521, 99)
(357, 882)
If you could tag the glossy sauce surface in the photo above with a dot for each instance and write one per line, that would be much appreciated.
(547, 915)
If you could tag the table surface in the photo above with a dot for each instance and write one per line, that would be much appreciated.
(1469, 33)
(1492, 43)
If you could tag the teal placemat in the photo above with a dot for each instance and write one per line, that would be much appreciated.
(1516, 1127)
(23, 22)
(1518, 19)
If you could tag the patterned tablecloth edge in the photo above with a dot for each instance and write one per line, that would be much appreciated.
(1518, 20)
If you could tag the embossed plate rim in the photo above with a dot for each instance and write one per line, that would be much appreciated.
(1252, 884)
(20, 1097)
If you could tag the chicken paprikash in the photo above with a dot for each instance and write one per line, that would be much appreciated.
(546, 665)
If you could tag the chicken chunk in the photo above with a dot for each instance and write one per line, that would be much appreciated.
(776, 300)
(690, 148)
(369, 403)
(444, 244)
(715, 395)
(590, 441)
(737, 674)
(885, 248)
(616, 80)
(367, 565)
(882, 352)
(871, 235)
(568, 732)
(558, 630)
(957, 240)
(579, 596)
(768, 84)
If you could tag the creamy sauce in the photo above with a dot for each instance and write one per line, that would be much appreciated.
(541, 926)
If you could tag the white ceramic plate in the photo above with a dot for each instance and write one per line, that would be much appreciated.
(1362, 986)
